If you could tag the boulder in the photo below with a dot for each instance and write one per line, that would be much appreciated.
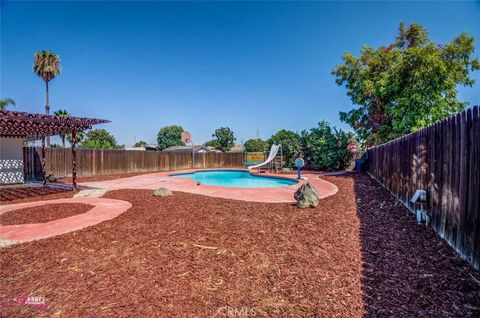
(162, 192)
(306, 196)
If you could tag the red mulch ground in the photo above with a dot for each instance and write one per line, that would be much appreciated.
(20, 194)
(44, 213)
(102, 177)
(357, 254)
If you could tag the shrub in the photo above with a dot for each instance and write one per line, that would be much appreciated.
(290, 142)
(255, 145)
(328, 148)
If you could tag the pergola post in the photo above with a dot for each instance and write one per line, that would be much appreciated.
(38, 126)
(44, 174)
(74, 160)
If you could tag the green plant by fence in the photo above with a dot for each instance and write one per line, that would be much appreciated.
(443, 159)
(94, 161)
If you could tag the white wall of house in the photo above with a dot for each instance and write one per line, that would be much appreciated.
(11, 160)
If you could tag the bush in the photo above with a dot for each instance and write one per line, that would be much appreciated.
(328, 148)
(100, 139)
(255, 145)
(290, 142)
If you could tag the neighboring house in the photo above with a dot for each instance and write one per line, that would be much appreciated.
(144, 148)
(212, 149)
(197, 149)
(237, 148)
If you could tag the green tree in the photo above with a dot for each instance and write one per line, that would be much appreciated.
(255, 145)
(140, 143)
(213, 143)
(80, 137)
(100, 139)
(46, 65)
(290, 142)
(225, 138)
(327, 147)
(404, 86)
(5, 102)
(62, 113)
(170, 136)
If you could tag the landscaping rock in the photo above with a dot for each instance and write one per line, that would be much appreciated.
(91, 193)
(162, 192)
(306, 196)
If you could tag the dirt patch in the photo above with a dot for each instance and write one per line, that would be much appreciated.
(44, 213)
(12, 195)
(193, 256)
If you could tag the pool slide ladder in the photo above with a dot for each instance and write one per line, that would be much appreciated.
(271, 156)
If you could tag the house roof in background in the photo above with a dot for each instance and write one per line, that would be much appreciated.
(237, 148)
(197, 148)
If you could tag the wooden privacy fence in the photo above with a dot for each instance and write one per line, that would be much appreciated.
(93, 161)
(443, 159)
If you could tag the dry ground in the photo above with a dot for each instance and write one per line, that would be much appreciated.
(357, 254)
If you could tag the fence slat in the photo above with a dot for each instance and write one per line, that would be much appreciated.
(98, 161)
(443, 159)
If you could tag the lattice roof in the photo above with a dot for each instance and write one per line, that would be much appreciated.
(36, 126)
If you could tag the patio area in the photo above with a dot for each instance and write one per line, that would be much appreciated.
(163, 179)
(191, 255)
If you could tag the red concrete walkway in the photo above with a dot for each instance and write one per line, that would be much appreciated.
(162, 179)
(105, 209)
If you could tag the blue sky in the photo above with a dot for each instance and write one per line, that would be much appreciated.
(248, 66)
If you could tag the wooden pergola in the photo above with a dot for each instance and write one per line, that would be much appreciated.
(37, 126)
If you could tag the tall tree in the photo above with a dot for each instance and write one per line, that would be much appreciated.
(404, 86)
(170, 136)
(46, 65)
(225, 137)
(62, 113)
(5, 102)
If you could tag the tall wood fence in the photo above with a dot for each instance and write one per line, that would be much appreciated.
(93, 162)
(443, 159)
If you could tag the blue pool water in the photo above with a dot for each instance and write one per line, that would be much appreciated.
(235, 178)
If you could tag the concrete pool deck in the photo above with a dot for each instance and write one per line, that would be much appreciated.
(163, 180)
(104, 209)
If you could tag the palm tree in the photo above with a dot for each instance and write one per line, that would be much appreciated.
(62, 113)
(5, 102)
(80, 137)
(46, 65)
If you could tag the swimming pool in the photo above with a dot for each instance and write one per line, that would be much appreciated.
(235, 179)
